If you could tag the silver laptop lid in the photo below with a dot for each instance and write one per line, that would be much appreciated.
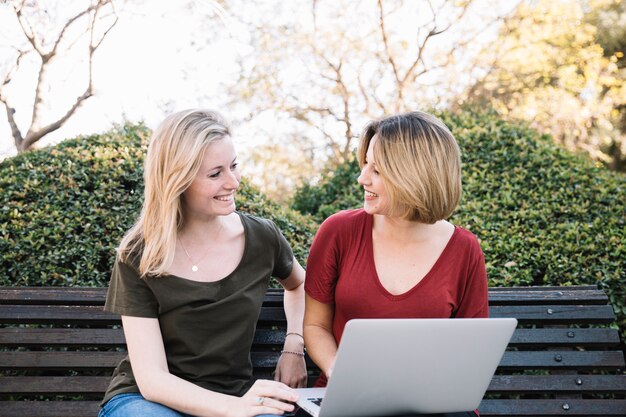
(394, 366)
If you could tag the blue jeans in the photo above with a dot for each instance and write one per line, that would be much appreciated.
(134, 405)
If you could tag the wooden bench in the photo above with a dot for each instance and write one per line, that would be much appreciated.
(58, 348)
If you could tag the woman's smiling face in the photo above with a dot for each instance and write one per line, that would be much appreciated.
(375, 200)
(212, 192)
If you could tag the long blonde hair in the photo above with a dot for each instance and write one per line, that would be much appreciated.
(419, 163)
(174, 157)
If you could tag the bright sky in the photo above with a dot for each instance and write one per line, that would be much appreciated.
(149, 65)
(142, 71)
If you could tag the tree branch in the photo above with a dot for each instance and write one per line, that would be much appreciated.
(34, 136)
(34, 132)
(15, 131)
(383, 32)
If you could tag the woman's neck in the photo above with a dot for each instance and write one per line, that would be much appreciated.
(198, 230)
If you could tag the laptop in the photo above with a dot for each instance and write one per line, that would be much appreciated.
(402, 366)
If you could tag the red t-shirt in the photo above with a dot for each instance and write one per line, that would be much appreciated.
(341, 271)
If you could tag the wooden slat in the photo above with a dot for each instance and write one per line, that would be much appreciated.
(29, 385)
(549, 314)
(552, 314)
(536, 314)
(40, 314)
(49, 408)
(53, 337)
(60, 360)
(510, 360)
(87, 360)
(558, 295)
(85, 315)
(557, 383)
(562, 360)
(564, 407)
(83, 296)
(53, 295)
(597, 337)
(509, 408)
(269, 337)
(22, 336)
(556, 314)
(584, 294)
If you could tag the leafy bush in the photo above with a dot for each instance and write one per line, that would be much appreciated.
(337, 190)
(544, 216)
(64, 209)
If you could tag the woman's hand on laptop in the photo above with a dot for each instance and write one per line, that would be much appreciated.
(265, 397)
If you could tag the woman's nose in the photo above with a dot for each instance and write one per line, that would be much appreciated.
(233, 180)
(363, 178)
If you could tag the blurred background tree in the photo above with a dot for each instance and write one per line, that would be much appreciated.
(302, 78)
(48, 33)
(320, 69)
(560, 66)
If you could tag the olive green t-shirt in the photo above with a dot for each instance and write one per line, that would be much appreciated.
(207, 327)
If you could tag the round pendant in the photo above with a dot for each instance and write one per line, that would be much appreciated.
(194, 268)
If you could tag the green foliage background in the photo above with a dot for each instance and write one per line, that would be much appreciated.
(64, 209)
(544, 216)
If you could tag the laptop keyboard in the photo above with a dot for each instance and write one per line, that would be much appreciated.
(316, 401)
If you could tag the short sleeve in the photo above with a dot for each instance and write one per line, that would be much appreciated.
(283, 260)
(323, 263)
(475, 300)
(128, 294)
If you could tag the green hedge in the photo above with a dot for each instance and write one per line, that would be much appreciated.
(544, 216)
(64, 209)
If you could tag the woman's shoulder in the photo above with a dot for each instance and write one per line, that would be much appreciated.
(342, 224)
(251, 219)
(258, 225)
(347, 217)
(130, 256)
(465, 238)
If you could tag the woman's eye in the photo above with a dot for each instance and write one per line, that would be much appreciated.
(217, 174)
(234, 166)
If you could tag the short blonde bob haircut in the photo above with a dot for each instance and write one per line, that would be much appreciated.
(174, 157)
(419, 162)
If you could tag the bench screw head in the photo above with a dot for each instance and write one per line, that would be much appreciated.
(566, 406)
(579, 381)
(571, 334)
(550, 311)
(558, 358)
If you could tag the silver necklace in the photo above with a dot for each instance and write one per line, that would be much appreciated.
(194, 267)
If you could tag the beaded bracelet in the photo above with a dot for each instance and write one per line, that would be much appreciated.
(301, 354)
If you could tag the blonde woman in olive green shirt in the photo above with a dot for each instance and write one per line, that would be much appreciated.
(189, 281)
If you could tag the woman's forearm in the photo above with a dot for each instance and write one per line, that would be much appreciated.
(321, 347)
(318, 334)
(294, 309)
(178, 394)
